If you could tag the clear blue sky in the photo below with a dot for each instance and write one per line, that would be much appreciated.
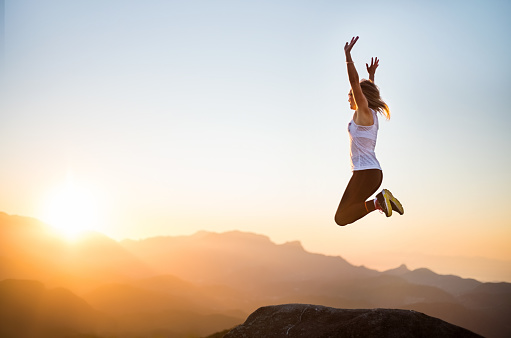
(182, 116)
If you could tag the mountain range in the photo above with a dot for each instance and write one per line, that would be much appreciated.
(193, 286)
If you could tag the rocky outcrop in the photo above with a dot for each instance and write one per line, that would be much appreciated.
(313, 321)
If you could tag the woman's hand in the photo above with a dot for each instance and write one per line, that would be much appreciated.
(348, 47)
(372, 68)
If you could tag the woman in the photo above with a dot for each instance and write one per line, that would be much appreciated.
(364, 98)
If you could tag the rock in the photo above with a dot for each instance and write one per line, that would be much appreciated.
(314, 321)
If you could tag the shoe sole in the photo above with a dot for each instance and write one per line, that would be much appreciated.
(385, 194)
(395, 204)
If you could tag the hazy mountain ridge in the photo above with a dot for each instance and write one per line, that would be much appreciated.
(237, 259)
(28, 309)
(32, 250)
(176, 285)
(450, 283)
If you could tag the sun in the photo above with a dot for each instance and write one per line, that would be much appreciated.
(72, 209)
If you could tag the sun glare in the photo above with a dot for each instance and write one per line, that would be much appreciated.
(71, 209)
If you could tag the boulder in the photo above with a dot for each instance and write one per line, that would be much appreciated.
(314, 321)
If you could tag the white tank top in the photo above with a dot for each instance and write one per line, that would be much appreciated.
(362, 143)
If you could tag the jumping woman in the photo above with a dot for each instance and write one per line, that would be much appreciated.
(364, 98)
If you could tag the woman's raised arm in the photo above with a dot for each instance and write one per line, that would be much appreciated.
(363, 115)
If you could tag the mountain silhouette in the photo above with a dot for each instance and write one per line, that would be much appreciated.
(28, 309)
(32, 250)
(207, 282)
(450, 283)
(240, 259)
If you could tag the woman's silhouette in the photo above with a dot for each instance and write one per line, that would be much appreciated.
(364, 98)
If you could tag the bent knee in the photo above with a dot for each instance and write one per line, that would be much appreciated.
(341, 221)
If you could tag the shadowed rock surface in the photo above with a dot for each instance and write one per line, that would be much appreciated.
(313, 321)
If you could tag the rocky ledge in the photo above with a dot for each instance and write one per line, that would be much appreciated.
(314, 321)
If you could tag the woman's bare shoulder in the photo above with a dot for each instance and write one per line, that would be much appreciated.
(364, 117)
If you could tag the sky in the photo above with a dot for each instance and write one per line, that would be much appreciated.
(139, 119)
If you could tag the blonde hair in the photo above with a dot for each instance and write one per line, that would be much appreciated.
(372, 94)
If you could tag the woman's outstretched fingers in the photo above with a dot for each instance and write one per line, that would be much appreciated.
(349, 46)
(371, 69)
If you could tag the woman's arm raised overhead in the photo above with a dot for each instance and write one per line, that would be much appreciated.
(363, 115)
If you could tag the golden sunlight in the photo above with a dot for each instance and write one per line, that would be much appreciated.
(71, 209)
